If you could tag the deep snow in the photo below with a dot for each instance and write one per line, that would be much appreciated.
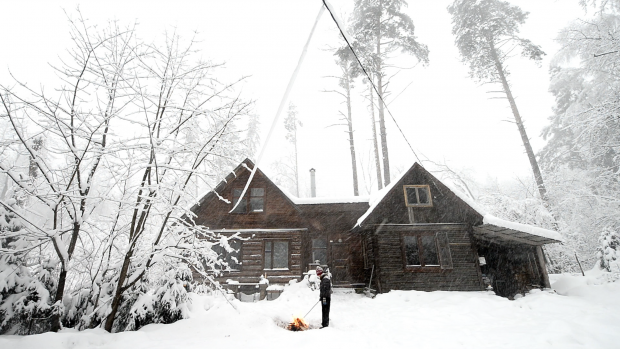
(584, 313)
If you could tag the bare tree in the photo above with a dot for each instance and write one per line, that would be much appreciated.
(290, 124)
(345, 82)
(382, 29)
(124, 136)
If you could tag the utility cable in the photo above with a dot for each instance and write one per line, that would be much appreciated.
(344, 36)
(289, 87)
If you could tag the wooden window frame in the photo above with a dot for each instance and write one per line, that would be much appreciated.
(224, 254)
(288, 242)
(428, 191)
(247, 198)
(439, 268)
(319, 248)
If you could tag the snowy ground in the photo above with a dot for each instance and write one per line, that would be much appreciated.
(582, 314)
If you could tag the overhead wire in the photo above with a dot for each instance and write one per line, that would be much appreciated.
(344, 36)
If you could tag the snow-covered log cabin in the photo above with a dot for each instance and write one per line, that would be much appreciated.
(415, 234)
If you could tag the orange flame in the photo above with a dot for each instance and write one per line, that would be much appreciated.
(298, 324)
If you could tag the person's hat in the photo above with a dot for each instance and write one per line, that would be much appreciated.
(319, 271)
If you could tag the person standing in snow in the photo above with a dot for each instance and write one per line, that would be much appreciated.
(325, 295)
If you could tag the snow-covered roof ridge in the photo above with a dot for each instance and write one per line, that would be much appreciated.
(378, 196)
(488, 218)
(324, 200)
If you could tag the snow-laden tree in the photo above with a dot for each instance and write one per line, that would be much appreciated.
(381, 29)
(127, 134)
(582, 155)
(608, 250)
(486, 34)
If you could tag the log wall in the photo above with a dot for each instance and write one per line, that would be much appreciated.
(392, 273)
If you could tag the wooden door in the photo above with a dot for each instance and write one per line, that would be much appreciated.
(339, 264)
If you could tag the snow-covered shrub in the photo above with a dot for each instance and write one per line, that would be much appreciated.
(608, 250)
(165, 302)
(25, 302)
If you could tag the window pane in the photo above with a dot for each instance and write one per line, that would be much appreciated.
(423, 195)
(319, 254)
(280, 254)
(319, 243)
(267, 254)
(411, 250)
(411, 198)
(232, 257)
(430, 250)
(256, 204)
(242, 207)
(257, 192)
(267, 260)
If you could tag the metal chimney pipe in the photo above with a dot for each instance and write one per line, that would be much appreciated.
(312, 183)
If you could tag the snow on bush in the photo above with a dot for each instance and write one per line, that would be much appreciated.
(164, 303)
(608, 250)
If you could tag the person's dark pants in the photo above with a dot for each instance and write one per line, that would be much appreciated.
(325, 309)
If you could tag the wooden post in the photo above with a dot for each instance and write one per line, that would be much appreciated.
(578, 262)
(543, 266)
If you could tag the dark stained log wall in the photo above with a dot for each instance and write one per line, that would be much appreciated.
(393, 275)
(252, 258)
(279, 211)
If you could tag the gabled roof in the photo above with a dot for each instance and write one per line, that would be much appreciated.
(248, 165)
(245, 165)
(487, 226)
(492, 228)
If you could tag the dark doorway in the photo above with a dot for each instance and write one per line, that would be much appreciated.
(339, 263)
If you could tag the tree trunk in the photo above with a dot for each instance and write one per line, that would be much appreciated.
(116, 301)
(384, 149)
(296, 161)
(515, 112)
(374, 137)
(62, 279)
(351, 141)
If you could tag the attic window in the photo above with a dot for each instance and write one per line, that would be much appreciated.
(418, 196)
(256, 202)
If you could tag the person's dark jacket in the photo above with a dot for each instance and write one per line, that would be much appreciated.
(326, 287)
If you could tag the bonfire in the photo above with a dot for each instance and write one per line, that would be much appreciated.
(298, 324)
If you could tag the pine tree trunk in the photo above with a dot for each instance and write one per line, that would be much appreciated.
(374, 137)
(515, 112)
(351, 141)
(384, 149)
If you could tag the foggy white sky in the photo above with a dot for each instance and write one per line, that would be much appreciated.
(445, 115)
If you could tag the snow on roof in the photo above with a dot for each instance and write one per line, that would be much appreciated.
(323, 200)
(378, 196)
(525, 228)
(488, 218)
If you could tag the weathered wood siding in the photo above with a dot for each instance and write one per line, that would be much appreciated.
(333, 222)
(392, 274)
(279, 211)
(252, 258)
(447, 207)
